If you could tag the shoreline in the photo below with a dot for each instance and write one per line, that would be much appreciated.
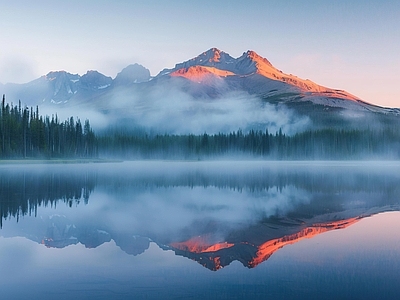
(271, 163)
(56, 161)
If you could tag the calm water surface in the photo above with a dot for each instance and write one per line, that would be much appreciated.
(195, 230)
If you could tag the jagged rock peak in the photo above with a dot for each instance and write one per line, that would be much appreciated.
(57, 74)
(134, 73)
(94, 79)
(211, 57)
(94, 75)
(256, 57)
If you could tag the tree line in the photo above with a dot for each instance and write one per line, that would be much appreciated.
(24, 133)
(334, 144)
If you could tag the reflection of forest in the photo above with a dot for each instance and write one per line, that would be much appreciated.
(336, 198)
(314, 180)
(21, 193)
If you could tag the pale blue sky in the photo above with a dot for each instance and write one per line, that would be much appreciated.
(351, 45)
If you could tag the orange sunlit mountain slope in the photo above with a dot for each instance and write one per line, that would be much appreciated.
(217, 255)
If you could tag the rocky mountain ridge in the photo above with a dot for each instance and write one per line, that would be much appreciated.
(210, 75)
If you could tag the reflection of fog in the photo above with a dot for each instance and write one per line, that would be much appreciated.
(133, 202)
(168, 211)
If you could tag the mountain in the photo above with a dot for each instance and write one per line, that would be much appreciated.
(132, 74)
(211, 77)
(58, 87)
(257, 76)
(250, 64)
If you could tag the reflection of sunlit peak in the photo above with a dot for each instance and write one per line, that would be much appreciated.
(270, 247)
(217, 263)
(200, 244)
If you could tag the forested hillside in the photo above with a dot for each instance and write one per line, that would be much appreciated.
(24, 133)
(332, 144)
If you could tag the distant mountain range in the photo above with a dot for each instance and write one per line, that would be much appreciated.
(212, 75)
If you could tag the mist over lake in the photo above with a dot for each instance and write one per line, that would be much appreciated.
(230, 229)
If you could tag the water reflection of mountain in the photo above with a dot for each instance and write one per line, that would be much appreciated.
(215, 232)
(251, 245)
(60, 232)
(257, 243)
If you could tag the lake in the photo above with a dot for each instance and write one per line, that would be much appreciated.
(200, 230)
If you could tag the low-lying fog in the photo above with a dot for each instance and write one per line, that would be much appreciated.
(165, 108)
